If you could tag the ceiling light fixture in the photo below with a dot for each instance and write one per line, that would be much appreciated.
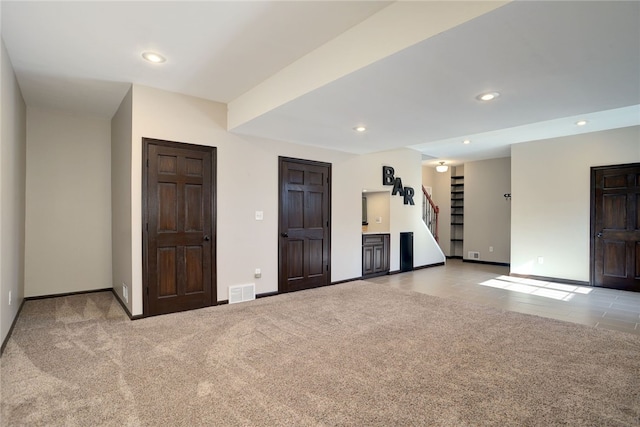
(442, 167)
(466, 141)
(487, 96)
(581, 122)
(359, 128)
(154, 57)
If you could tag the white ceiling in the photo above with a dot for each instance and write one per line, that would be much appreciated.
(552, 62)
(90, 51)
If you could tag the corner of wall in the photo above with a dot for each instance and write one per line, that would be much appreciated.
(13, 141)
(121, 238)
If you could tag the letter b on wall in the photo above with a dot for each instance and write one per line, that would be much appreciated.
(387, 175)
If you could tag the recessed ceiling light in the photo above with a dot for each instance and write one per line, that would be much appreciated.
(154, 57)
(360, 128)
(487, 96)
(466, 141)
(581, 122)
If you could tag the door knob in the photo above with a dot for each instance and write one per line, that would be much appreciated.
(206, 238)
(284, 234)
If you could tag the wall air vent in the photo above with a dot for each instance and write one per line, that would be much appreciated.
(473, 255)
(242, 293)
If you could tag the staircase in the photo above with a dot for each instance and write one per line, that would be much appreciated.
(430, 213)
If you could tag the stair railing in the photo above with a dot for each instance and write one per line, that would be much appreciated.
(430, 213)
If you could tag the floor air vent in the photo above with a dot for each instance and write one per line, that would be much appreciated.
(474, 255)
(242, 293)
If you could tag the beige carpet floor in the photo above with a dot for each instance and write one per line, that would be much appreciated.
(355, 354)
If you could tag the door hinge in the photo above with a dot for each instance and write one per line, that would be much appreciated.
(327, 223)
(147, 162)
(147, 290)
(147, 226)
(327, 267)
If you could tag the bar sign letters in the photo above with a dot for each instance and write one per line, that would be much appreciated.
(389, 179)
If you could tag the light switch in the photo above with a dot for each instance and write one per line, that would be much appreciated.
(259, 215)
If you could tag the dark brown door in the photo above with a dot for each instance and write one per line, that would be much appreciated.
(178, 228)
(304, 224)
(615, 226)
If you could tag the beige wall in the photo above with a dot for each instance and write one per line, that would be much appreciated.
(550, 182)
(247, 171)
(487, 214)
(13, 119)
(68, 217)
(440, 182)
(428, 177)
(378, 209)
(121, 126)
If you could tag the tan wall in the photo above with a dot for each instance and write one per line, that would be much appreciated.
(68, 196)
(550, 182)
(13, 119)
(378, 209)
(487, 214)
(440, 182)
(428, 178)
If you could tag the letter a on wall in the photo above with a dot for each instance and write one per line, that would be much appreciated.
(397, 187)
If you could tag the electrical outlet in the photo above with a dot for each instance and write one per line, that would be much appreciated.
(9, 297)
(259, 215)
(490, 248)
(125, 292)
(257, 274)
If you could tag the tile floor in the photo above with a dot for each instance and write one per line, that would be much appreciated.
(492, 286)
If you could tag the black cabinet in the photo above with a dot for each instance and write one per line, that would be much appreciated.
(406, 251)
(375, 254)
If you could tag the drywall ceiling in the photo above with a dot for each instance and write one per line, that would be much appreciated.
(552, 62)
(83, 55)
(548, 61)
